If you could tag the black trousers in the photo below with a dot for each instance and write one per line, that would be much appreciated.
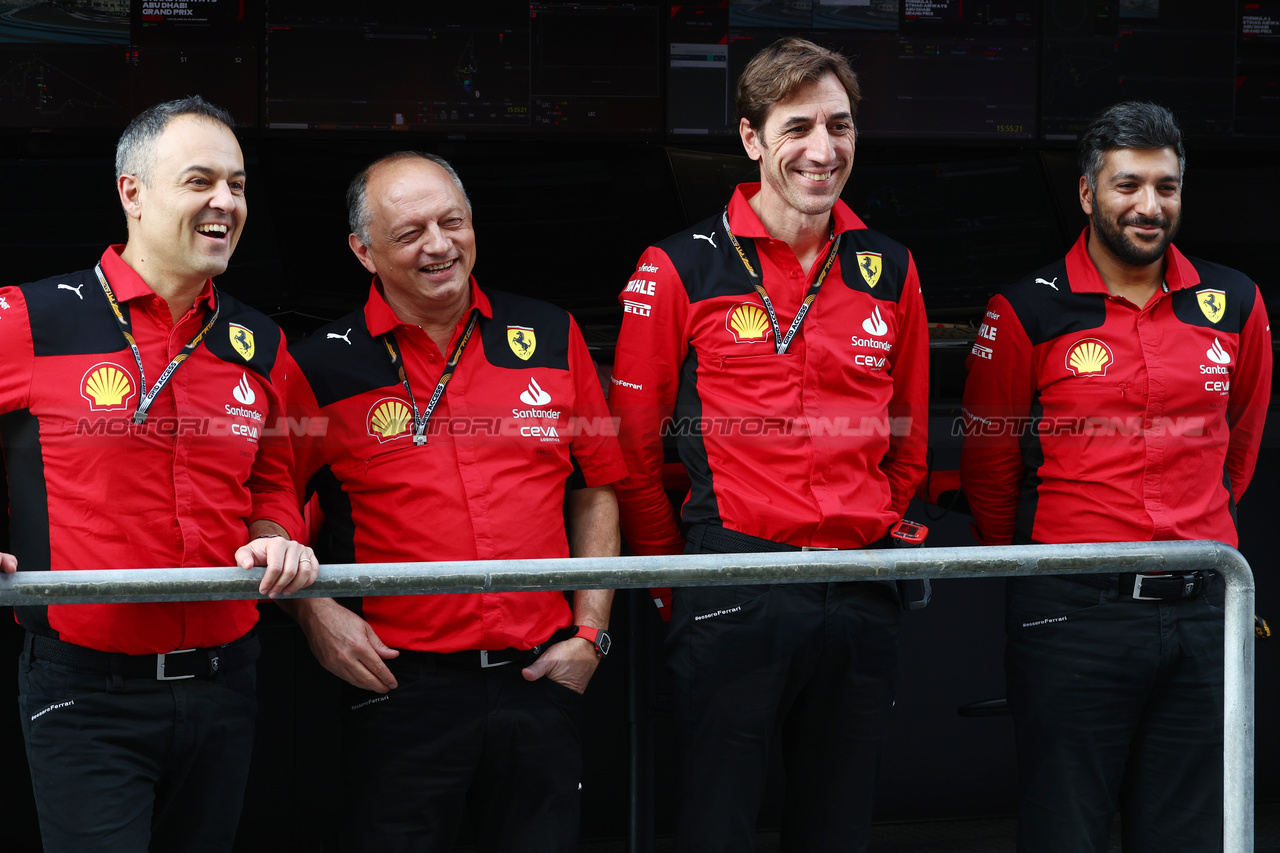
(813, 663)
(445, 742)
(1117, 706)
(124, 764)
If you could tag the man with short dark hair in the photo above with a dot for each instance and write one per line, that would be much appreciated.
(135, 397)
(463, 424)
(789, 343)
(1118, 395)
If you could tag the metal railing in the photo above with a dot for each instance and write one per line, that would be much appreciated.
(137, 585)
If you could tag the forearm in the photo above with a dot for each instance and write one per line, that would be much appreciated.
(591, 607)
(264, 527)
(593, 532)
(593, 523)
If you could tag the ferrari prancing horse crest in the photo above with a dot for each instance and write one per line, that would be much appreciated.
(870, 264)
(522, 341)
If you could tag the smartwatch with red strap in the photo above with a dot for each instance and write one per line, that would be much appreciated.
(597, 637)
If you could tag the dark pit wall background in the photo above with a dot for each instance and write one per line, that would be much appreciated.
(584, 132)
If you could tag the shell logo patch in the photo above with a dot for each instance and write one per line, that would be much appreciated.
(1213, 303)
(870, 264)
(241, 340)
(748, 323)
(1088, 357)
(389, 419)
(522, 341)
(106, 386)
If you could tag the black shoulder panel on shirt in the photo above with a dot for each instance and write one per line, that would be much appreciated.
(707, 263)
(1047, 309)
(525, 333)
(70, 315)
(1235, 300)
(342, 360)
(247, 328)
(893, 264)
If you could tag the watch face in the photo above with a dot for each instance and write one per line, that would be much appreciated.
(603, 642)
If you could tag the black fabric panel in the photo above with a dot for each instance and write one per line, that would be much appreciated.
(550, 327)
(1047, 313)
(709, 270)
(28, 506)
(1231, 498)
(576, 479)
(342, 360)
(893, 264)
(1033, 461)
(338, 546)
(1240, 297)
(266, 336)
(336, 541)
(70, 315)
(702, 508)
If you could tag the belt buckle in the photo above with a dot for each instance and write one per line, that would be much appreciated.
(160, 658)
(1137, 586)
(816, 548)
(484, 660)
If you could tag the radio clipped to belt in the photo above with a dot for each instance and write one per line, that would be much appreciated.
(916, 593)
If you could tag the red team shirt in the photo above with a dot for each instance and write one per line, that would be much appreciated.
(1148, 419)
(823, 445)
(523, 414)
(90, 491)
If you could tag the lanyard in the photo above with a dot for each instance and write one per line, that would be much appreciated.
(420, 421)
(126, 328)
(781, 343)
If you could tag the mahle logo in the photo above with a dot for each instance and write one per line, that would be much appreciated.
(1089, 357)
(106, 386)
(389, 419)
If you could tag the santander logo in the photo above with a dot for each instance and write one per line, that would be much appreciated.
(534, 395)
(243, 392)
(875, 324)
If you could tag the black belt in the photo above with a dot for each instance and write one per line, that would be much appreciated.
(170, 666)
(484, 659)
(722, 540)
(1171, 586)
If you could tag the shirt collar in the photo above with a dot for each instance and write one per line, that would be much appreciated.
(127, 284)
(745, 223)
(1083, 276)
(380, 319)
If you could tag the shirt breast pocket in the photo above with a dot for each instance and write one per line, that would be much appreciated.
(754, 373)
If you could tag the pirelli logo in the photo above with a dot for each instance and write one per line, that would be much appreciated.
(107, 387)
